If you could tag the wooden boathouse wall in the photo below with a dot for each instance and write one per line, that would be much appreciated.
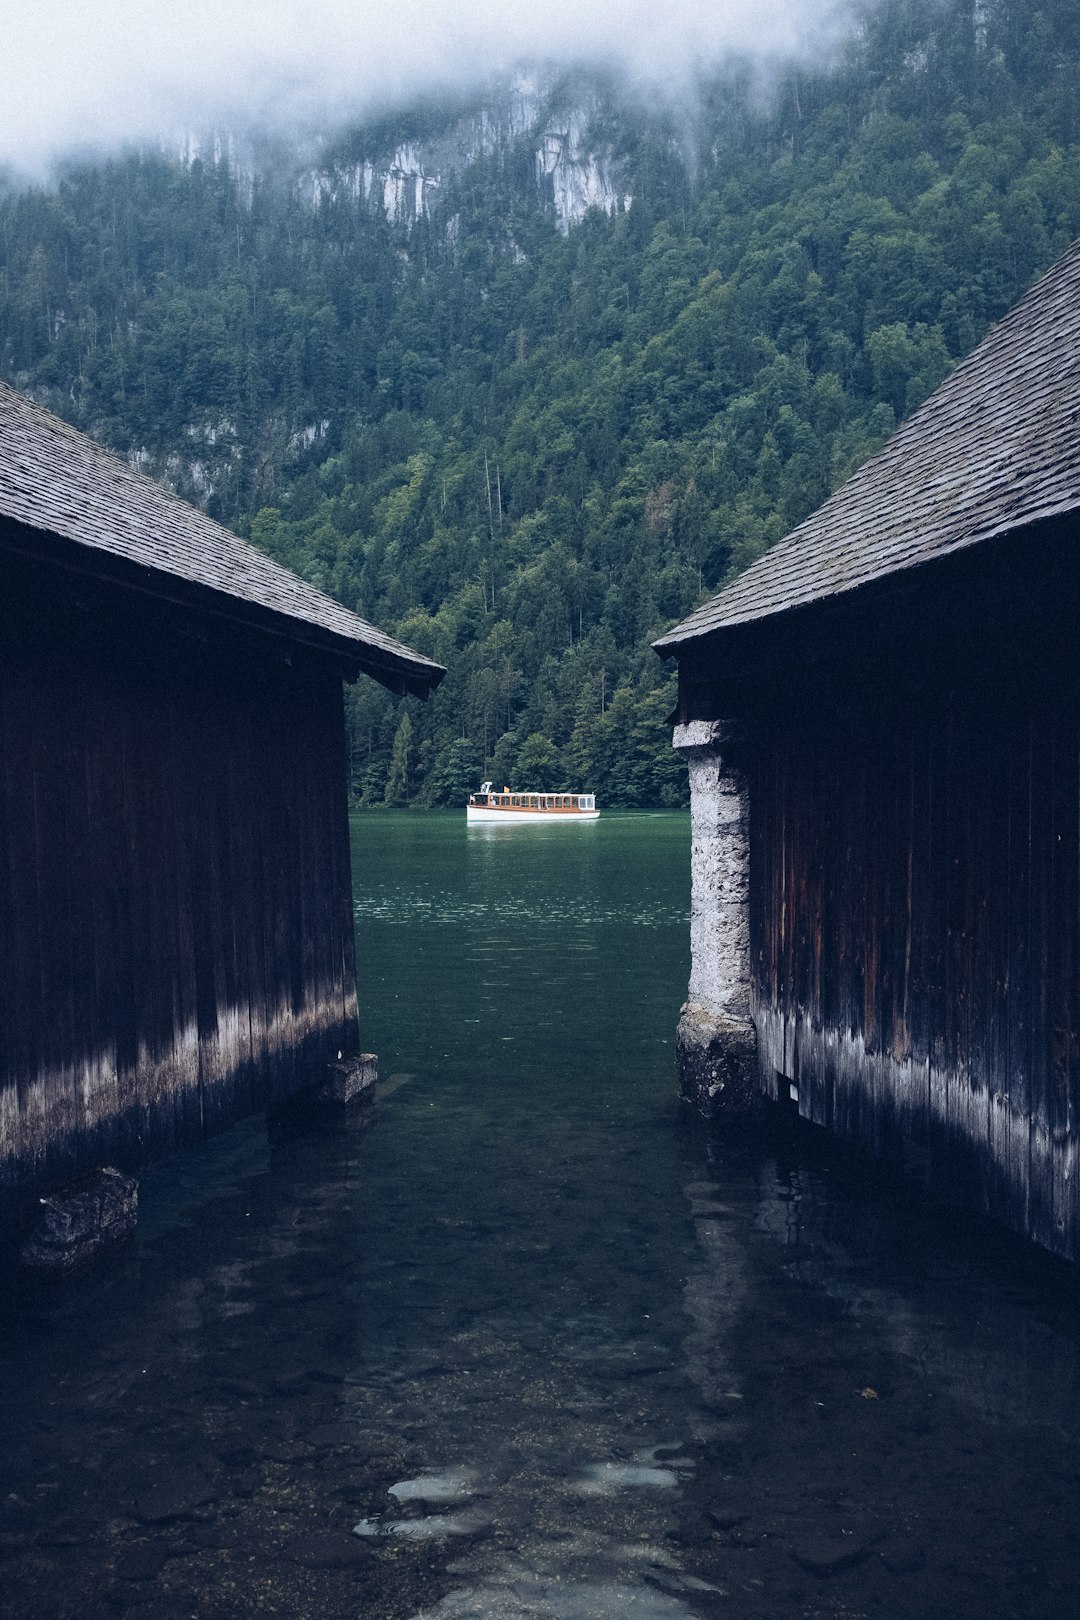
(881, 719)
(915, 880)
(177, 939)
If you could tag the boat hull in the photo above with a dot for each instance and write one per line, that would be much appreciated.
(510, 818)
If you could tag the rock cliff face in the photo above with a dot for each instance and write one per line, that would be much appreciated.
(527, 139)
(571, 170)
(573, 177)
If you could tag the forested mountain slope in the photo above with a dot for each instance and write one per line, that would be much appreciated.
(527, 441)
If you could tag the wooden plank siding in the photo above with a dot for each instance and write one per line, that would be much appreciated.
(175, 887)
(915, 928)
(906, 666)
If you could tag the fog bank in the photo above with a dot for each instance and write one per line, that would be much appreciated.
(81, 79)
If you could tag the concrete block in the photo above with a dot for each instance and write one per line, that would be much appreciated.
(350, 1080)
(76, 1222)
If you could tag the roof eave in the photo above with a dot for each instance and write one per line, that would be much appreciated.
(401, 672)
(687, 634)
(406, 677)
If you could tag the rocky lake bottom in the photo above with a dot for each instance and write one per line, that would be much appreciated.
(521, 1339)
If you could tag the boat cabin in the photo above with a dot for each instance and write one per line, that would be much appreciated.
(532, 801)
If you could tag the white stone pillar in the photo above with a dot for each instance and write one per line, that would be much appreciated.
(716, 1043)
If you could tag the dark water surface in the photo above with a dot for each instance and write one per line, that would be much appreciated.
(552, 1350)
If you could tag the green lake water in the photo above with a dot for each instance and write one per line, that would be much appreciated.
(522, 1339)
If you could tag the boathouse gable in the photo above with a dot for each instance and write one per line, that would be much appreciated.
(894, 690)
(176, 921)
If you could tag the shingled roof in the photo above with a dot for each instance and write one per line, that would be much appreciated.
(55, 480)
(995, 448)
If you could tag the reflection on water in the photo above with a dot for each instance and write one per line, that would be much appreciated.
(521, 1341)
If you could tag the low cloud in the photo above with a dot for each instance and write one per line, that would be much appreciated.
(81, 78)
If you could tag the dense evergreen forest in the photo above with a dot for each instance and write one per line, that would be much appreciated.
(526, 451)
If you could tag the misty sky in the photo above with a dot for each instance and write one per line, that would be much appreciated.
(79, 75)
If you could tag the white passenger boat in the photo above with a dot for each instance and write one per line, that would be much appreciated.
(510, 807)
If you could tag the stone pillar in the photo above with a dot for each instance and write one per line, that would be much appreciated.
(716, 1044)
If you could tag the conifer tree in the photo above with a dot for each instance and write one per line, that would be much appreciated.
(398, 778)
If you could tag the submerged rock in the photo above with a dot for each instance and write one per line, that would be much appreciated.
(445, 1487)
(540, 1598)
(433, 1528)
(164, 1494)
(143, 1562)
(602, 1477)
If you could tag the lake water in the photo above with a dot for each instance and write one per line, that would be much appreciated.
(522, 1340)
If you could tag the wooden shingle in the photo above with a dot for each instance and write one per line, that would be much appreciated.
(995, 448)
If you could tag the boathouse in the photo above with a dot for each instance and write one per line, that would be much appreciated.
(176, 921)
(881, 718)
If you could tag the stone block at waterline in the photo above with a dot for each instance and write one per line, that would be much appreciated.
(350, 1080)
(716, 1056)
(78, 1221)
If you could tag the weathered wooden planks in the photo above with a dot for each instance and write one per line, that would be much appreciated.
(175, 889)
(915, 925)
